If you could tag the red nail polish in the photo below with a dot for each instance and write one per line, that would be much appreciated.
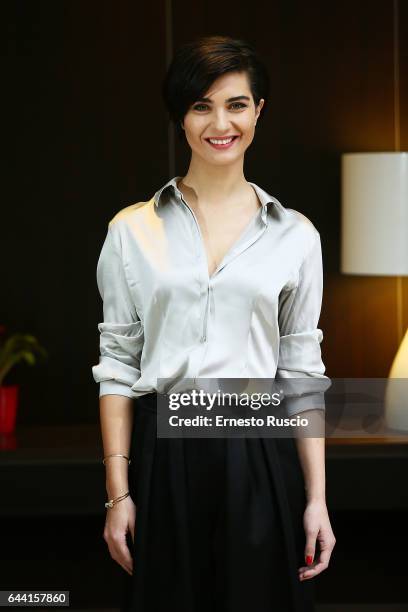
(309, 559)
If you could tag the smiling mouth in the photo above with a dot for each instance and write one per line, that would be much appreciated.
(222, 143)
(223, 138)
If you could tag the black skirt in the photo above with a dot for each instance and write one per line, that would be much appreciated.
(219, 523)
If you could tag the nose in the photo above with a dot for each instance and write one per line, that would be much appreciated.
(221, 121)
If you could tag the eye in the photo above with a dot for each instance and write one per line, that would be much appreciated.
(238, 105)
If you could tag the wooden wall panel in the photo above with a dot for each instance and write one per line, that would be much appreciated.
(91, 136)
(403, 108)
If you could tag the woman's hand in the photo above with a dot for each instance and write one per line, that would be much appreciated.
(119, 520)
(317, 526)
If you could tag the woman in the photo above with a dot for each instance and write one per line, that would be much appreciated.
(212, 277)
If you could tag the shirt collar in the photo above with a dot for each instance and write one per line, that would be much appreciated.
(264, 197)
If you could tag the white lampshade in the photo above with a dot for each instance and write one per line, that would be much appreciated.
(374, 219)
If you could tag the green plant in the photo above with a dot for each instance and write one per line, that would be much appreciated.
(18, 347)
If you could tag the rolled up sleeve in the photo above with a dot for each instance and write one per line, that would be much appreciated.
(300, 338)
(121, 331)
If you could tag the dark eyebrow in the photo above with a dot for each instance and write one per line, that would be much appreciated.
(227, 100)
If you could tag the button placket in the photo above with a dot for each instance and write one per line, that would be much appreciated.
(203, 256)
(205, 321)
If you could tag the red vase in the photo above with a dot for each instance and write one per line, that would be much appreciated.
(8, 408)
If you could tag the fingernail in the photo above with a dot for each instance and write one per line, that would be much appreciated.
(309, 559)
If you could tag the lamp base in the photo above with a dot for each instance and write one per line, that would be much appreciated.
(396, 394)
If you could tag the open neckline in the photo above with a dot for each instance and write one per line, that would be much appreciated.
(237, 241)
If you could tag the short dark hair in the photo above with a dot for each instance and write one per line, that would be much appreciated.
(198, 63)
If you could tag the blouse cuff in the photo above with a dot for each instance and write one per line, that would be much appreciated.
(295, 405)
(116, 374)
(113, 387)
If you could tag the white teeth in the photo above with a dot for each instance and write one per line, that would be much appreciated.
(214, 141)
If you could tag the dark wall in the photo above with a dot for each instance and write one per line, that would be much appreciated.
(87, 134)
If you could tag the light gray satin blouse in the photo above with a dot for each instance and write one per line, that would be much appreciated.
(164, 317)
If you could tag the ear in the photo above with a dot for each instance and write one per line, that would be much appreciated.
(258, 108)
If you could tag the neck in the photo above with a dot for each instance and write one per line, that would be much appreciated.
(214, 183)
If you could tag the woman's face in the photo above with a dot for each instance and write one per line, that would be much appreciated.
(217, 116)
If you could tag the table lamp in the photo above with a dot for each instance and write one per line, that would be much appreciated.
(374, 241)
